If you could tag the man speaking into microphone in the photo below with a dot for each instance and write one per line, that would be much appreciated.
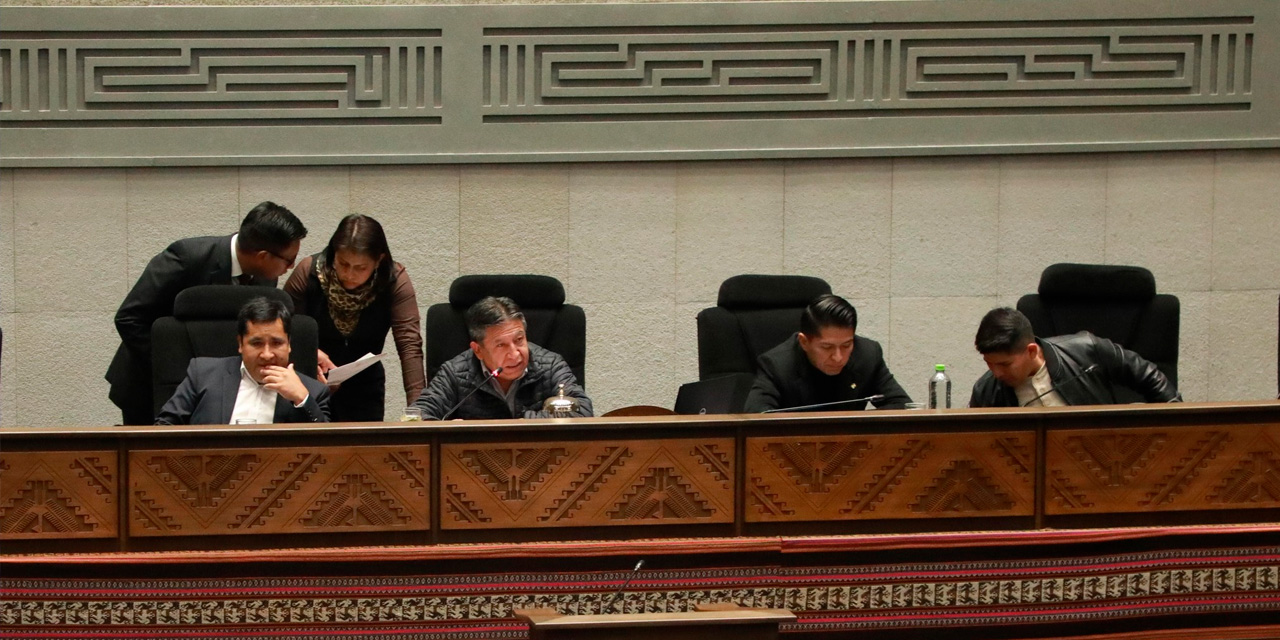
(1077, 369)
(502, 375)
(825, 366)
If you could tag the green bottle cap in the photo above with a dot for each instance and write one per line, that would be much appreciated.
(940, 367)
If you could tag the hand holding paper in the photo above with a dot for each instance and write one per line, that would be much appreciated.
(338, 375)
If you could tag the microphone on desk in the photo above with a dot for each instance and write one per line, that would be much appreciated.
(618, 594)
(1087, 370)
(486, 380)
(805, 407)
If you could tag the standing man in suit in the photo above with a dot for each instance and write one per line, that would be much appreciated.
(824, 362)
(259, 387)
(263, 250)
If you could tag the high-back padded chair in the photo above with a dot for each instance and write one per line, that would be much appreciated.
(753, 314)
(550, 323)
(1116, 302)
(203, 324)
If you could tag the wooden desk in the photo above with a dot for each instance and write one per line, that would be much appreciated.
(231, 487)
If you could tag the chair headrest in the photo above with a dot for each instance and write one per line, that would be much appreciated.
(528, 291)
(221, 301)
(753, 291)
(1097, 282)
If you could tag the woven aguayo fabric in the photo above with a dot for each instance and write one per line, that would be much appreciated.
(1209, 583)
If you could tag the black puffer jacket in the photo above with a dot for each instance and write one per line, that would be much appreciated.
(1067, 357)
(461, 375)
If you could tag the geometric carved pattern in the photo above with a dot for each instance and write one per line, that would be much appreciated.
(203, 480)
(660, 496)
(424, 84)
(319, 78)
(567, 74)
(1114, 459)
(1255, 480)
(1169, 469)
(965, 486)
(356, 501)
(287, 490)
(41, 507)
(580, 484)
(817, 465)
(1187, 468)
(890, 476)
(513, 472)
(52, 495)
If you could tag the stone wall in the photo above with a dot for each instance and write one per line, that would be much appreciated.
(922, 246)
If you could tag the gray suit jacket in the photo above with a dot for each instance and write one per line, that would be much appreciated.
(208, 396)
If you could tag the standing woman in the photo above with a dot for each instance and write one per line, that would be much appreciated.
(356, 293)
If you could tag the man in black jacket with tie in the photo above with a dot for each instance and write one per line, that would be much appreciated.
(825, 362)
(263, 250)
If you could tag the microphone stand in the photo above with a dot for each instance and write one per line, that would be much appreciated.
(634, 572)
(1087, 370)
(805, 407)
(486, 380)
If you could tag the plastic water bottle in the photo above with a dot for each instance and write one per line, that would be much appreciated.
(940, 389)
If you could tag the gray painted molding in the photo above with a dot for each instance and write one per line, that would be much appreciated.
(137, 86)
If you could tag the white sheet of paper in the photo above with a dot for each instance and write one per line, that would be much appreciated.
(343, 373)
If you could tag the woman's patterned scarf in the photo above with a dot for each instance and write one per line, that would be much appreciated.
(344, 306)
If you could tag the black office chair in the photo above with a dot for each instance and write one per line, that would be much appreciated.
(551, 324)
(753, 313)
(203, 324)
(1116, 302)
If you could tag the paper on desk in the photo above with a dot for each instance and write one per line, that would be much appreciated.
(341, 374)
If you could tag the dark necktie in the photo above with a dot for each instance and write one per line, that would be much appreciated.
(244, 278)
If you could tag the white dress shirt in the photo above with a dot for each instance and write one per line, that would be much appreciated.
(236, 271)
(255, 404)
(1036, 385)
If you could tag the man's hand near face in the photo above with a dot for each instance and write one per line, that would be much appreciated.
(284, 381)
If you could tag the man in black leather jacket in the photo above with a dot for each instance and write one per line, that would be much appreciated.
(502, 375)
(1065, 370)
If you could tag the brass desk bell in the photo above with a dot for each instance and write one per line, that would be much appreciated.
(560, 405)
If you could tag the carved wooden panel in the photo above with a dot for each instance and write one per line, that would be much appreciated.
(1162, 469)
(934, 475)
(62, 494)
(294, 490)
(581, 484)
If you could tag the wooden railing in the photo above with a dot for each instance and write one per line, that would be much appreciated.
(153, 488)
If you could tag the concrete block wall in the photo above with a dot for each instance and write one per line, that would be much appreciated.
(923, 247)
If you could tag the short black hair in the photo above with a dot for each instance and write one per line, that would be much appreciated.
(270, 227)
(491, 312)
(1003, 330)
(827, 310)
(262, 310)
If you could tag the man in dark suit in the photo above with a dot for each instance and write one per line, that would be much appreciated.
(263, 250)
(825, 362)
(258, 387)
